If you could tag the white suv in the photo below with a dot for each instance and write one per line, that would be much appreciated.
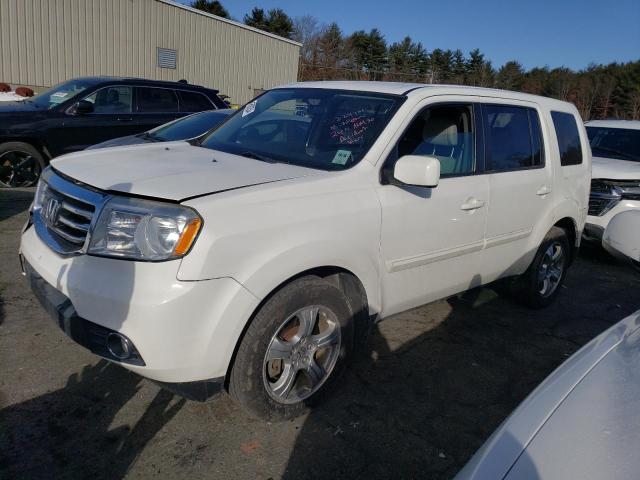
(257, 259)
(615, 187)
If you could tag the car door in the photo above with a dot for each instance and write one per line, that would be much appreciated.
(432, 238)
(520, 183)
(155, 106)
(111, 118)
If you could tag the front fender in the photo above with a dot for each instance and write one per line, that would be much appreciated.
(264, 236)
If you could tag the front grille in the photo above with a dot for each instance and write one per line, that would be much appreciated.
(599, 205)
(65, 212)
(67, 217)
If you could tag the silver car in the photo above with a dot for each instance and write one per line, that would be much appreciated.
(583, 421)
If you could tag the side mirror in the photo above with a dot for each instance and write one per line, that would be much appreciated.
(81, 108)
(622, 235)
(417, 170)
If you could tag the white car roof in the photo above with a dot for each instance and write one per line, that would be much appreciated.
(399, 88)
(628, 124)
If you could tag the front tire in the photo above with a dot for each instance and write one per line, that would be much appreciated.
(539, 286)
(20, 165)
(294, 350)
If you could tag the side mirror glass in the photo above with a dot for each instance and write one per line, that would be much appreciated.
(417, 170)
(81, 108)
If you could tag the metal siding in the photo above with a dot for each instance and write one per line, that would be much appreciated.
(50, 41)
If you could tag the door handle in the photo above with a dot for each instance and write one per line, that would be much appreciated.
(472, 204)
(124, 119)
(543, 190)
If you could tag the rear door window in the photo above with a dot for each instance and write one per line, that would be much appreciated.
(156, 100)
(193, 102)
(513, 139)
(568, 138)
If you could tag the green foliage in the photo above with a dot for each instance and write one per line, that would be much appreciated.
(599, 91)
(211, 6)
(274, 21)
(369, 52)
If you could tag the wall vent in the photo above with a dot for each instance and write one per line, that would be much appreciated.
(167, 58)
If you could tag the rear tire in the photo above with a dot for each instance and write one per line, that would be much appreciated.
(20, 165)
(294, 350)
(539, 286)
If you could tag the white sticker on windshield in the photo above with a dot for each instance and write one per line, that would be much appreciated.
(249, 108)
(341, 157)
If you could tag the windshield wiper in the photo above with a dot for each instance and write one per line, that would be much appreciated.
(149, 136)
(616, 152)
(259, 156)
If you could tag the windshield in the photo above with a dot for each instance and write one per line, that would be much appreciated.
(189, 127)
(619, 143)
(61, 92)
(315, 128)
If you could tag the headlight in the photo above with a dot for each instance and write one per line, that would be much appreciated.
(144, 230)
(41, 190)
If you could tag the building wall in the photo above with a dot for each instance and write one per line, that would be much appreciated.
(43, 42)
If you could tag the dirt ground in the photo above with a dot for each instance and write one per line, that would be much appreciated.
(432, 386)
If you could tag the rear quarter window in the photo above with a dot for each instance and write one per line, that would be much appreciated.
(193, 102)
(568, 137)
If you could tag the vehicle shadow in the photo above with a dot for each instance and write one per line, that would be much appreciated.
(420, 407)
(14, 201)
(68, 433)
(85, 429)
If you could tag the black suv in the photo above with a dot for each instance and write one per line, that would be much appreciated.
(85, 111)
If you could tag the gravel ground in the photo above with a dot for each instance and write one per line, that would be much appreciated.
(432, 386)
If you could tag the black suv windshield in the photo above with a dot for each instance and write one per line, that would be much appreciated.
(618, 143)
(62, 92)
(316, 128)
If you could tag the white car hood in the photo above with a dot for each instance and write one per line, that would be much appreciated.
(614, 169)
(172, 170)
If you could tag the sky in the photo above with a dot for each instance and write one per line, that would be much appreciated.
(570, 33)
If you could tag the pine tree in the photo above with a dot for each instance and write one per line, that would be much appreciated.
(211, 6)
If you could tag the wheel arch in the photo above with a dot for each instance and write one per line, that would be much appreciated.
(340, 277)
(569, 225)
(35, 142)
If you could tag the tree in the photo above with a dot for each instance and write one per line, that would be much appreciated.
(598, 91)
(256, 18)
(369, 52)
(440, 62)
(307, 30)
(211, 6)
(408, 60)
(458, 67)
(510, 76)
(331, 51)
(276, 21)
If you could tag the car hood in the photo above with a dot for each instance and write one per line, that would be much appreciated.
(594, 432)
(578, 422)
(614, 169)
(18, 106)
(172, 170)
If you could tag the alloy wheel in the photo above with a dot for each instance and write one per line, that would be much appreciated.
(302, 354)
(18, 169)
(551, 269)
